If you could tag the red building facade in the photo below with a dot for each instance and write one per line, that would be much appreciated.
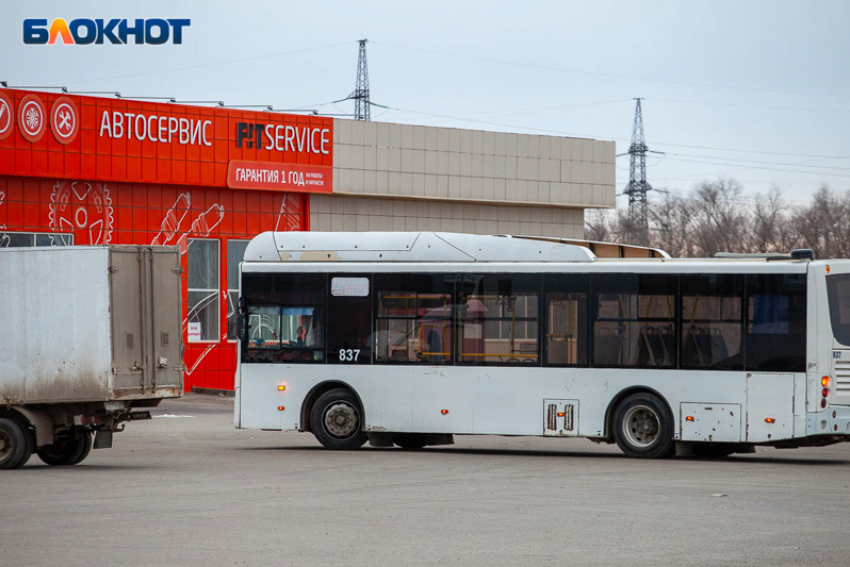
(85, 170)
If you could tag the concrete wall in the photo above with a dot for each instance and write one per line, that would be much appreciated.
(338, 213)
(403, 177)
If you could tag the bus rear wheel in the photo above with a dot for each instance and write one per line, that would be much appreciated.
(643, 427)
(336, 420)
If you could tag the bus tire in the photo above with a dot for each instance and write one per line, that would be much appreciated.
(410, 441)
(643, 427)
(336, 420)
(16, 444)
(68, 451)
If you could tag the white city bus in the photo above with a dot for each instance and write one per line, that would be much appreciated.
(410, 338)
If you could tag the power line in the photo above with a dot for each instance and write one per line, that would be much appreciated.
(604, 137)
(748, 105)
(610, 75)
(204, 65)
(747, 161)
(845, 176)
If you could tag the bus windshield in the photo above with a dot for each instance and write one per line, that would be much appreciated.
(838, 289)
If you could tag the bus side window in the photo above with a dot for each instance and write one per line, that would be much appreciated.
(565, 326)
(634, 320)
(413, 318)
(712, 321)
(498, 320)
(776, 323)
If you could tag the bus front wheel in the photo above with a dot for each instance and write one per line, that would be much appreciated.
(643, 427)
(336, 420)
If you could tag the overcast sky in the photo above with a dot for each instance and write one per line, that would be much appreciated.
(754, 90)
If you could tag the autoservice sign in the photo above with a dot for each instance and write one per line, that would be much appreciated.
(126, 140)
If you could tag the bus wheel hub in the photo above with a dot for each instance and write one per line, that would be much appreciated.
(341, 420)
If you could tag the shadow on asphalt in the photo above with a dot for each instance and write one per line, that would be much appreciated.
(37, 466)
(761, 459)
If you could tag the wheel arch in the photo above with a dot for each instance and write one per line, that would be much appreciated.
(316, 392)
(622, 395)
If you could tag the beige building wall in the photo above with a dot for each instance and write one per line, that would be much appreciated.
(403, 177)
(356, 214)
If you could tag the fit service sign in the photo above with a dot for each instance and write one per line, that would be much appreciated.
(127, 140)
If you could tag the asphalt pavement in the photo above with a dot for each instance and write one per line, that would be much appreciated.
(187, 489)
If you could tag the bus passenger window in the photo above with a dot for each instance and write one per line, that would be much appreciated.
(414, 318)
(712, 321)
(498, 319)
(566, 333)
(634, 320)
(776, 323)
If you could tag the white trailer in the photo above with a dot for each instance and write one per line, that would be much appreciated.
(88, 335)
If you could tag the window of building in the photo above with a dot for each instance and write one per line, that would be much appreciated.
(235, 254)
(285, 317)
(414, 318)
(30, 239)
(498, 319)
(566, 334)
(203, 290)
(634, 320)
(776, 323)
(712, 321)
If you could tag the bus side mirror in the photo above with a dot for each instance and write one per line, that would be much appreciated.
(240, 326)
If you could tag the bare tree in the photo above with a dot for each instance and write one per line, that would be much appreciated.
(597, 225)
(769, 220)
(671, 224)
(719, 217)
(714, 217)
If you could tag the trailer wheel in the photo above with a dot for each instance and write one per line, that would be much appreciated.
(68, 451)
(336, 420)
(16, 444)
(643, 427)
(87, 447)
(410, 441)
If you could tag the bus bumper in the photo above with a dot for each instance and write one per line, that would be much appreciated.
(835, 420)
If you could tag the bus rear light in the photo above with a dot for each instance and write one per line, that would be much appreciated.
(833, 415)
(769, 420)
(281, 387)
(444, 411)
(823, 403)
(689, 418)
(827, 268)
(280, 408)
(824, 381)
(561, 414)
(825, 392)
(91, 419)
